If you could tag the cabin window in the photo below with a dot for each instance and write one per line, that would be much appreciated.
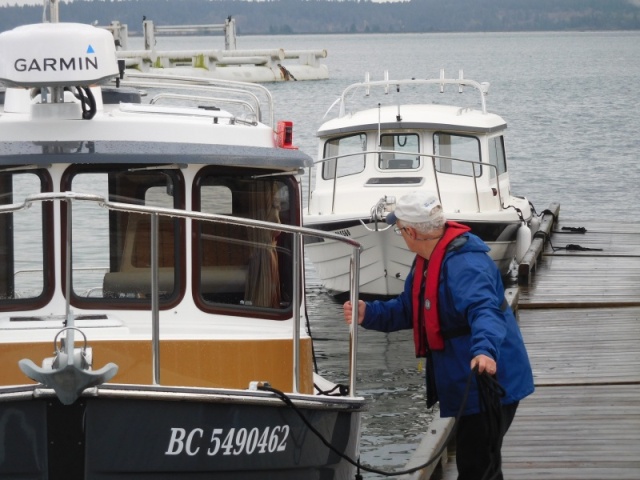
(111, 249)
(348, 156)
(399, 151)
(239, 268)
(25, 240)
(457, 154)
(497, 157)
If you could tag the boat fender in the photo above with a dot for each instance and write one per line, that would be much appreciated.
(534, 225)
(523, 241)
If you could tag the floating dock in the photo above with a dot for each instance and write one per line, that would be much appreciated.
(579, 311)
(257, 66)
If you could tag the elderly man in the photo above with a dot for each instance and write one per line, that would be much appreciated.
(453, 300)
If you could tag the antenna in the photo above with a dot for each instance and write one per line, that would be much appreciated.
(54, 16)
(379, 134)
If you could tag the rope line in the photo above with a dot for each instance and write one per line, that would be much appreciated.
(490, 391)
(571, 230)
(569, 247)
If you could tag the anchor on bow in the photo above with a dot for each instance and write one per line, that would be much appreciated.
(69, 373)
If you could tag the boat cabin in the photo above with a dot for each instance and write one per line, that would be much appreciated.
(181, 208)
(465, 162)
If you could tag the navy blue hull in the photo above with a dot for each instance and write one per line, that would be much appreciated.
(126, 438)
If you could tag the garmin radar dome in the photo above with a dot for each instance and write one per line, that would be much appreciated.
(57, 55)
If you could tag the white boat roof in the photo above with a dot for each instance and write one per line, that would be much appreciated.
(420, 117)
(120, 132)
(421, 108)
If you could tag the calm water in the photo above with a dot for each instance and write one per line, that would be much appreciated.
(570, 102)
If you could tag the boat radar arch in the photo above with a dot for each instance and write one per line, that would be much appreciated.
(57, 55)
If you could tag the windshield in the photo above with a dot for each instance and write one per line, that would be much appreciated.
(231, 268)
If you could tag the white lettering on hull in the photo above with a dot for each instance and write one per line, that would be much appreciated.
(234, 441)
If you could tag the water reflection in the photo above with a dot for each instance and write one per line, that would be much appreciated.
(389, 377)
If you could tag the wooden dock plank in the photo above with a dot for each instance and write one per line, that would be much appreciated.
(580, 318)
(568, 280)
(569, 432)
(574, 346)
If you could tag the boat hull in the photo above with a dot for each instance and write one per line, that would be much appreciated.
(147, 434)
(385, 260)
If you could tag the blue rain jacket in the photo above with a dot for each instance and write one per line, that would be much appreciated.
(470, 292)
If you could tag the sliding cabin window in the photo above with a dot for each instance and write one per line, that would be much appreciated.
(497, 156)
(399, 152)
(26, 276)
(111, 250)
(457, 154)
(348, 156)
(239, 269)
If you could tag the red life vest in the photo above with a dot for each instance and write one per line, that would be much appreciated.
(429, 331)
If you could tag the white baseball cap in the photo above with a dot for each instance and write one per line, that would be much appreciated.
(418, 208)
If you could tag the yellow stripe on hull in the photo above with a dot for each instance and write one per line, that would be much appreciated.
(190, 363)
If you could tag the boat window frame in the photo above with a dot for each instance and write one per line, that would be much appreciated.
(330, 168)
(48, 244)
(294, 218)
(477, 169)
(498, 161)
(125, 303)
(416, 163)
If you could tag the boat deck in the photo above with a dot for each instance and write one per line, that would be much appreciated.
(579, 312)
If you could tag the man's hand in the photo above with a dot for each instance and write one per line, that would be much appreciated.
(348, 311)
(484, 364)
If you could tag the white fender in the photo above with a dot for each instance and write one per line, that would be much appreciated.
(523, 241)
(534, 225)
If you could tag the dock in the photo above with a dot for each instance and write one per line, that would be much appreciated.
(230, 63)
(579, 312)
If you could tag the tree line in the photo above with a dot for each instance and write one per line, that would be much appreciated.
(348, 16)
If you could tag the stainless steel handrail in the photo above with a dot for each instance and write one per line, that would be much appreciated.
(244, 89)
(482, 88)
(154, 212)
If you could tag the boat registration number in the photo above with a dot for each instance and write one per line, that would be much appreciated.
(234, 441)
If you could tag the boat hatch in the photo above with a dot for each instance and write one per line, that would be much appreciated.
(192, 112)
(395, 181)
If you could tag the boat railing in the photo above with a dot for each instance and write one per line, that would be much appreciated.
(475, 167)
(154, 213)
(120, 32)
(208, 59)
(252, 96)
(387, 84)
(150, 30)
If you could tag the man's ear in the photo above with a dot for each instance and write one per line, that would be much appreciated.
(411, 232)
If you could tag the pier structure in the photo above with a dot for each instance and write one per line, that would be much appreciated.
(230, 63)
(578, 305)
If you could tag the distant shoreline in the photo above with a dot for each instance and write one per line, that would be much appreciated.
(326, 17)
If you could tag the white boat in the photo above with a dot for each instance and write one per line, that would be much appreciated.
(151, 288)
(372, 154)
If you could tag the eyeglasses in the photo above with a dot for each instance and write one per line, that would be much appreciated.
(398, 230)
